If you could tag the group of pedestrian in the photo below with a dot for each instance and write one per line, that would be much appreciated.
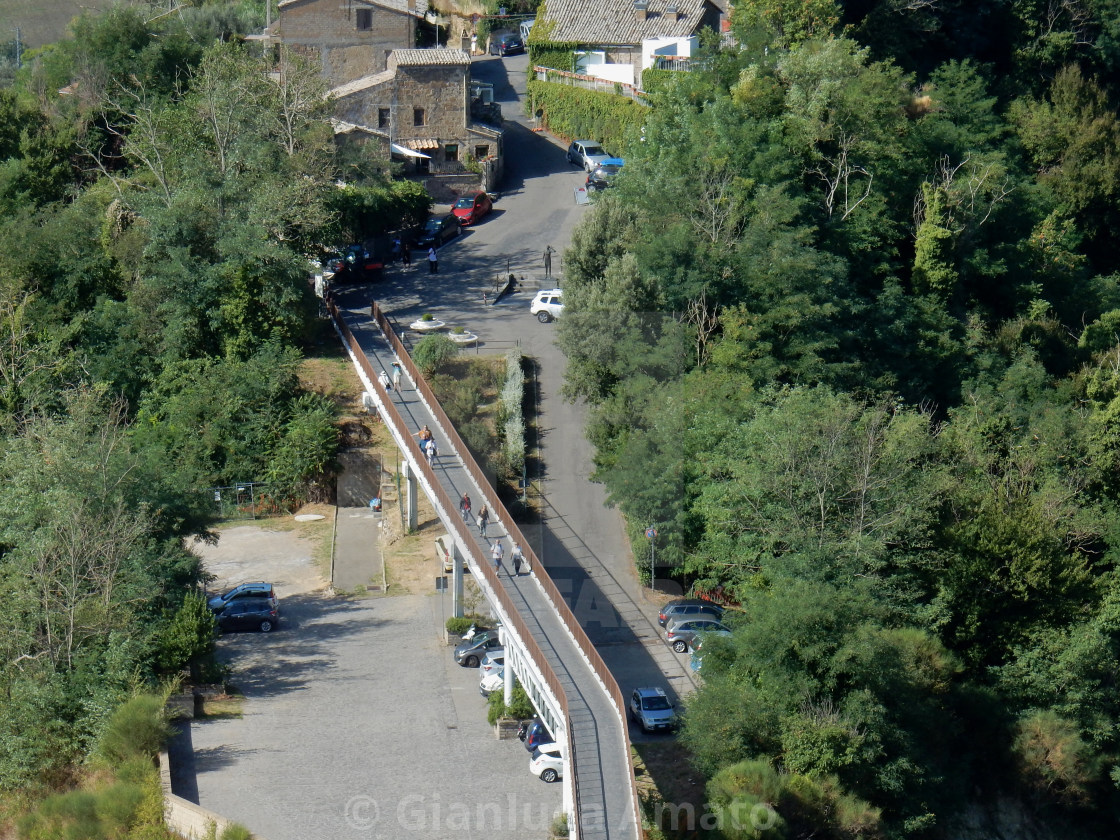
(428, 445)
(395, 382)
(517, 558)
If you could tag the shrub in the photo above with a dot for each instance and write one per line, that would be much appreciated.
(117, 807)
(136, 729)
(188, 638)
(234, 831)
(432, 351)
(458, 625)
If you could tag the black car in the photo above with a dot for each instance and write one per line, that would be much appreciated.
(256, 589)
(436, 231)
(601, 176)
(506, 45)
(249, 614)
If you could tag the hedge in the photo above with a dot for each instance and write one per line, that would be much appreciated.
(572, 112)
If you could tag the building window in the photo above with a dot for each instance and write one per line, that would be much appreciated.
(418, 116)
(364, 18)
(481, 152)
(451, 152)
(383, 117)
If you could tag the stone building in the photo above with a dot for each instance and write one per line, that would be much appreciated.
(421, 104)
(350, 39)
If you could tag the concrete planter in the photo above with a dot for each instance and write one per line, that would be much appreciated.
(506, 729)
(427, 326)
(463, 338)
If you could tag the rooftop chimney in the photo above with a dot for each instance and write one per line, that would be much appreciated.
(673, 12)
(640, 8)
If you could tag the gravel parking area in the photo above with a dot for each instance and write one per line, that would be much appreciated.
(358, 724)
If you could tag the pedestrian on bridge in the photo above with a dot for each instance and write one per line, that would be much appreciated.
(496, 553)
(483, 521)
(518, 557)
(383, 381)
(397, 377)
(465, 507)
(432, 452)
(425, 435)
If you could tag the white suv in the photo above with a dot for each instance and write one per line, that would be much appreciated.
(547, 305)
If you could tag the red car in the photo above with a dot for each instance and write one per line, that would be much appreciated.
(470, 208)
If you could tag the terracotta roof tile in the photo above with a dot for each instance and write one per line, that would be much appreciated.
(616, 21)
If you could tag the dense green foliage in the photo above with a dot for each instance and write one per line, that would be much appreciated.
(573, 112)
(162, 198)
(848, 327)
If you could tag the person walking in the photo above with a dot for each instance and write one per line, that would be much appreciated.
(432, 452)
(496, 553)
(425, 435)
(406, 254)
(483, 521)
(383, 381)
(433, 261)
(397, 377)
(548, 252)
(518, 557)
(465, 507)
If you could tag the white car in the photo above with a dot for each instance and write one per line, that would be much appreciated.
(492, 662)
(547, 763)
(548, 304)
(494, 681)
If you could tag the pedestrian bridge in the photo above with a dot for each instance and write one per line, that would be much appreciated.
(563, 674)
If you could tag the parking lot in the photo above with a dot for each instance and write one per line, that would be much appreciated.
(358, 724)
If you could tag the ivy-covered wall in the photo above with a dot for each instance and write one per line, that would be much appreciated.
(572, 112)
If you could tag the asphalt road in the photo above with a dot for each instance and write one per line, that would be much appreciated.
(580, 539)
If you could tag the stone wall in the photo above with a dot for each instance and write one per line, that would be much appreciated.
(188, 820)
(327, 31)
(441, 90)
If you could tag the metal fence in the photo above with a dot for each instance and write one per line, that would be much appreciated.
(247, 500)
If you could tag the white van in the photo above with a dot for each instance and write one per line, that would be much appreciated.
(524, 28)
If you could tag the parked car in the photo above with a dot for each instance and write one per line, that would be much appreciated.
(651, 709)
(437, 230)
(536, 734)
(354, 264)
(492, 662)
(586, 153)
(696, 607)
(601, 176)
(469, 654)
(248, 614)
(470, 208)
(682, 632)
(547, 763)
(547, 304)
(494, 681)
(506, 44)
(251, 589)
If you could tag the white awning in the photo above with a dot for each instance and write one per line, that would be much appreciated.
(407, 152)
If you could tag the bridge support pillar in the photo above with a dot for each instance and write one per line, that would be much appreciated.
(410, 499)
(507, 680)
(456, 582)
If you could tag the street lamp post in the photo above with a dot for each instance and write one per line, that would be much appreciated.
(651, 535)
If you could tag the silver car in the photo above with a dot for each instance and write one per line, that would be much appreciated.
(683, 632)
(587, 154)
(651, 709)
